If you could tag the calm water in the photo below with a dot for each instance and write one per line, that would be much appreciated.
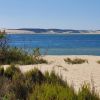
(75, 44)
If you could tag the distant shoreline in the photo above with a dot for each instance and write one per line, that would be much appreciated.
(18, 31)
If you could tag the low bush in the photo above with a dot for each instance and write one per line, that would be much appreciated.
(39, 61)
(10, 71)
(19, 56)
(4, 87)
(3, 40)
(52, 92)
(19, 86)
(53, 78)
(75, 61)
(16, 56)
(85, 93)
(1, 71)
(34, 85)
(98, 61)
(35, 76)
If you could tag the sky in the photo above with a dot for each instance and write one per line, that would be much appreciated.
(63, 14)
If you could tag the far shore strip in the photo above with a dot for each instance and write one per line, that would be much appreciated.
(75, 74)
(31, 32)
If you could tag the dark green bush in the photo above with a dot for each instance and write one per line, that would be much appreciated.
(52, 92)
(53, 78)
(10, 71)
(1, 35)
(39, 61)
(48, 91)
(19, 86)
(98, 61)
(4, 87)
(14, 87)
(75, 61)
(19, 56)
(85, 93)
(34, 85)
(1, 71)
(3, 40)
(35, 76)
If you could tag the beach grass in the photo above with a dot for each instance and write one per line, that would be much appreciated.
(75, 61)
(34, 85)
(98, 61)
(19, 56)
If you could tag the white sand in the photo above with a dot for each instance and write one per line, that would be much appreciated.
(18, 32)
(75, 74)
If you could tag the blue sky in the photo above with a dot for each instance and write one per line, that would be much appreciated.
(65, 14)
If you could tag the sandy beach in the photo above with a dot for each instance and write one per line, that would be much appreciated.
(75, 74)
(18, 32)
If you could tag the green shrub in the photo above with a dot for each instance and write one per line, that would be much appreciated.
(85, 93)
(10, 71)
(98, 62)
(34, 85)
(75, 61)
(3, 40)
(1, 36)
(39, 61)
(15, 89)
(4, 87)
(9, 96)
(19, 56)
(19, 87)
(35, 76)
(53, 78)
(48, 91)
(1, 71)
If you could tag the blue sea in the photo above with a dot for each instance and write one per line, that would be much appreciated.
(58, 44)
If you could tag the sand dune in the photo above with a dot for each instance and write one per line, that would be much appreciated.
(75, 74)
(18, 32)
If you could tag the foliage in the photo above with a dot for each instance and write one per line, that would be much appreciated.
(19, 56)
(2, 34)
(75, 61)
(53, 78)
(10, 71)
(1, 71)
(85, 93)
(19, 86)
(35, 76)
(34, 85)
(37, 56)
(98, 61)
(3, 40)
(52, 92)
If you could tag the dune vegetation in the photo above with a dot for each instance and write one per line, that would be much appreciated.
(75, 61)
(15, 55)
(19, 56)
(34, 85)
